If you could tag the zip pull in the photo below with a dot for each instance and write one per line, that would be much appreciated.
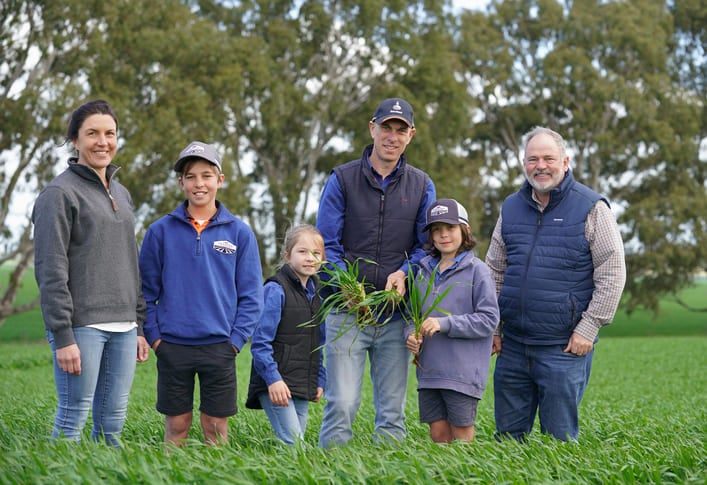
(112, 201)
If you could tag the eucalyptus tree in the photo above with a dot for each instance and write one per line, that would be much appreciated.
(164, 71)
(313, 72)
(38, 42)
(599, 73)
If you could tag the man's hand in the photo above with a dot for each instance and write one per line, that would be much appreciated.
(396, 281)
(579, 345)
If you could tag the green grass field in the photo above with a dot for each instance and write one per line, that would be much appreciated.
(643, 420)
(672, 320)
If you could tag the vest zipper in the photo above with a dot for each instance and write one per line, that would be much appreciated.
(379, 239)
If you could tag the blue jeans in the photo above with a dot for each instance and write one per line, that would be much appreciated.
(288, 422)
(345, 363)
(542, 379)
(107, 370)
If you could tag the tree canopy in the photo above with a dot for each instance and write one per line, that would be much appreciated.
(286, 89)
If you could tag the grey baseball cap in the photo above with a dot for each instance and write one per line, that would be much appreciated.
(197, 149)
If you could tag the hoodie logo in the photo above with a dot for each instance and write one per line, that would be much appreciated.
(225, 247)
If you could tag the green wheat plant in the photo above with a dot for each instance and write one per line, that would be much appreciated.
(365, 306)
(416, 305)
(625, 437)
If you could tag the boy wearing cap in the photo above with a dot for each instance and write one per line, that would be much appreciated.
(454, 349)
(202, 281)
(373, 209)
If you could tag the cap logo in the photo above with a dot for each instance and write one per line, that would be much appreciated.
(194, 148)
(439, 210)
(397, 109)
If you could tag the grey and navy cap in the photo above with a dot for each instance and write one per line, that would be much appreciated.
(394, 108)
(448, 211)
(197, 149)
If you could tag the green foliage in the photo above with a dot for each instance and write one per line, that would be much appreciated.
(349, 294)
(418, 306)
(286, 90)
(626, 435)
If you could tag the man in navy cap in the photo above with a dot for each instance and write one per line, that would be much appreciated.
(373, 209)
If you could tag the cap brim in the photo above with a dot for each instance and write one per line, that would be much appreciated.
(179, 164)
(452, 222)
(383, 120)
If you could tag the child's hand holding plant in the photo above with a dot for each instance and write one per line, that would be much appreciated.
(428, 328)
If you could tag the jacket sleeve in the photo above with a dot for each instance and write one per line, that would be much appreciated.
(249, 288)
(265, 331)
(53, 220)
(141, 309)
(481, 322)
(330, 221)
(151, 261)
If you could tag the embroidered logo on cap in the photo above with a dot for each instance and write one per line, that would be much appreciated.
(193, 148)
(397, 108)
(225, 247)
(439, 210)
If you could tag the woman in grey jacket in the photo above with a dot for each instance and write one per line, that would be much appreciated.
(454, 348)
(86, 266)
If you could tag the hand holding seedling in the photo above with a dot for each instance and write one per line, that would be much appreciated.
(396, 281)
(413, 343)
(429, 327)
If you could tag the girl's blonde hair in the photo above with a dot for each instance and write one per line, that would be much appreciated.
(293, 235)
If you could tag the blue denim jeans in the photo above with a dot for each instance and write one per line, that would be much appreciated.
(288, 422)
(107, 370)
(345, 353)
(531, 379)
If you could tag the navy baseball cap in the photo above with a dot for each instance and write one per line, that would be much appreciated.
(394, 108)
(448, 211)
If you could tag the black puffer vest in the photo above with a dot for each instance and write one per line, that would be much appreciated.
(293, 347)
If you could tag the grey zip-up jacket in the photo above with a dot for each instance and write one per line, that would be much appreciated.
(85, 253)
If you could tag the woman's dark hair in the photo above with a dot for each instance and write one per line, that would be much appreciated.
(79, 115)
(468, 242)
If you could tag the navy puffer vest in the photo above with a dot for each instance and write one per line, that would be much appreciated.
(379, 225)
(549, 279)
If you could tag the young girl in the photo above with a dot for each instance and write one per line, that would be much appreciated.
(287, 369)
(455, 349)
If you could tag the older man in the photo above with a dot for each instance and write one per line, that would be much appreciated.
(558, 260)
